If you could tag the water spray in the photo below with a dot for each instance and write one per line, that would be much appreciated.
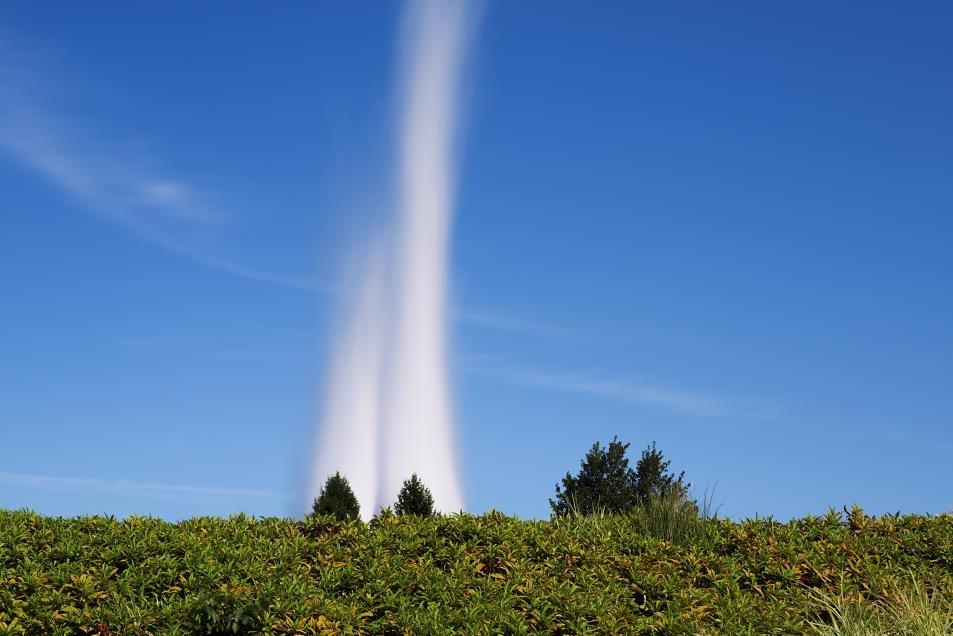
(388, 408)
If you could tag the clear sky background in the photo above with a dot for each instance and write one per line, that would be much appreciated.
(722, 227)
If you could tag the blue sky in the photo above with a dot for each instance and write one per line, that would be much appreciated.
(722, 227)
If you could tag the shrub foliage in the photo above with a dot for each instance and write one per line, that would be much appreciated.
(453, 574)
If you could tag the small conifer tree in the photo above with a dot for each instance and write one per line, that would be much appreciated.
(337, 500)
(654, 480)
(605, 483)
(414, 499)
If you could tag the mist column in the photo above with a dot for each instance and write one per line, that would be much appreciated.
(418, 420)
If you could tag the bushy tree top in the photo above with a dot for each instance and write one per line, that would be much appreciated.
(337, 500)
(606, 484)
(414, 499)
(653, 479)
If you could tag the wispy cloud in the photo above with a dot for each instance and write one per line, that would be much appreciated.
(677, 400)
(101, 174)
(237, 352)
(109, 185)
(80, 162)
(131, 488)
(511, 324)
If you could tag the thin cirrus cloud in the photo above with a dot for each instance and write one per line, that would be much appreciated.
(160, 211)
(106, 187)
(112, 184)
(674, 400)
(502, 322)
(131, 488)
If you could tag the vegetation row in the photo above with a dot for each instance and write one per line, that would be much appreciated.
(663, 565)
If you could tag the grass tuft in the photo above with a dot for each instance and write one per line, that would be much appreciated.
(677, 519)
(910, 609)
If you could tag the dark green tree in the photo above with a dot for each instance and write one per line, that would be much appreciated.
(653, 479)
(337, 500)
(606, 484)
(414, 499)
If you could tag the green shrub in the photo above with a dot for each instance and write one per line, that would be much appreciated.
(468, 574)
(230, 609)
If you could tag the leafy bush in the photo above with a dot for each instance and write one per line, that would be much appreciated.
(414, 499)
(337, 500)
(228, 610)
(460, 574)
